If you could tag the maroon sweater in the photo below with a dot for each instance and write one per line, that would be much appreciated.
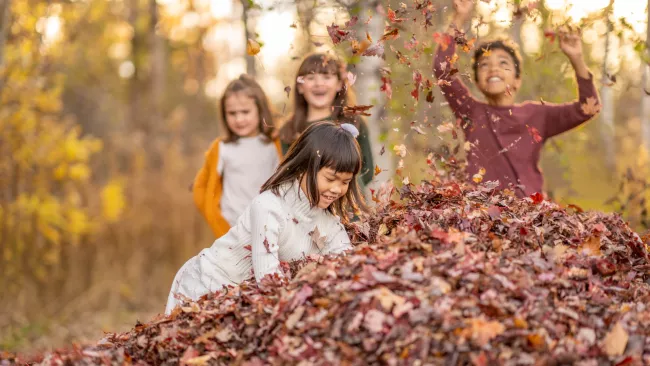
(507, 141)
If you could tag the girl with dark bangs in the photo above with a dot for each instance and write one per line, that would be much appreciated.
(297, 213)
(320, 92)
(225, 186)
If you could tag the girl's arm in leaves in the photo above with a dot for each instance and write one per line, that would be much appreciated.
(367, 164)
(266, 225)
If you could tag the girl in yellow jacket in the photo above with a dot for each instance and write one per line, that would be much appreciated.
(237, 164)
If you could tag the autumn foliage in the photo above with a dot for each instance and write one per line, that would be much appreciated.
(447, 275)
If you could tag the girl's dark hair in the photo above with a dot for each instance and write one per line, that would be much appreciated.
(317, 63)
(322, 145)
(248, 86)
(502, 44)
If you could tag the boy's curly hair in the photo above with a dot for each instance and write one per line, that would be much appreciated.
(505, 44)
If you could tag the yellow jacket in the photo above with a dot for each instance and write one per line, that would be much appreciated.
(207, 189)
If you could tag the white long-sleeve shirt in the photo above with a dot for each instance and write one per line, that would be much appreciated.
(271, 229)
(244, 166)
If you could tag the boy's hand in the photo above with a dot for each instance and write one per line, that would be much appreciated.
(463, 9)
(571, 44)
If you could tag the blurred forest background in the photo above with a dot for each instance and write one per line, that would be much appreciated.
(106, 108)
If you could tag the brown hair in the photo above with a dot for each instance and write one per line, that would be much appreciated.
(317, 63)
(248, 86)
(322, 145)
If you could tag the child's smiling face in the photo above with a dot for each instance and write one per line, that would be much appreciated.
(319, 89)
(496, 75)
(332, 185)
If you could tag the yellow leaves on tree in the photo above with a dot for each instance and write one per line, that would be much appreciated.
(113, 202)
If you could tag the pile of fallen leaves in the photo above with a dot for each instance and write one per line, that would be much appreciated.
(447, 275)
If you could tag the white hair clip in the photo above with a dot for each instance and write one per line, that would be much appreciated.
(351, 129)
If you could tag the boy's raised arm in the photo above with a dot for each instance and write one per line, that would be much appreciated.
(563, 117)
(456, 93)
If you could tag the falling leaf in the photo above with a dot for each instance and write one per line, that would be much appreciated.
(337, 34)
(418, 130)
(287, 89)
(445, 127)
(375, 50)
(392, 16)
(357, 110)
(382, 150)
(550, 35)
(616, 341)
(360, 47)
(377, 170)
(400, 150)
(442, 39)
(591, 106)
(386, 86)
(390, 35)
(417, 80)
(252, 47)
(477, 178)
(406, 181)
(352, 78)
(352, 22)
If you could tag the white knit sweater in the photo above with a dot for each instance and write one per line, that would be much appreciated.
(271, 229)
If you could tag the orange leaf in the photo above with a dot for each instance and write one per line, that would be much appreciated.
(252, 47)
(616, 341)
(377, 170)
(591, 106)
(591, 246)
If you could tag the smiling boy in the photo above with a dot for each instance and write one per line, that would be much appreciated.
(506, 138)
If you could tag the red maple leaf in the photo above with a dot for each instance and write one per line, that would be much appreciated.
(537, 197)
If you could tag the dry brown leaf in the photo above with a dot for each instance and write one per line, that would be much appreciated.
(616, 340)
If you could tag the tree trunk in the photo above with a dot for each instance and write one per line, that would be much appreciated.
(645, 92)
(133, 120)
(250, 60)
(4, 26)
(607, 104)
(158, 67)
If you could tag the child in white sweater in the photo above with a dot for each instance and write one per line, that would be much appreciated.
(297, 213)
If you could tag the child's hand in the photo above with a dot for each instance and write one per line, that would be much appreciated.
(570, 44)
(463, 7)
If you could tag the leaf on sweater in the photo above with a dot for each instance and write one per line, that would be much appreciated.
(317, 239)
(248, 247)
(267, 246)
(534, 133)
(590, 106)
